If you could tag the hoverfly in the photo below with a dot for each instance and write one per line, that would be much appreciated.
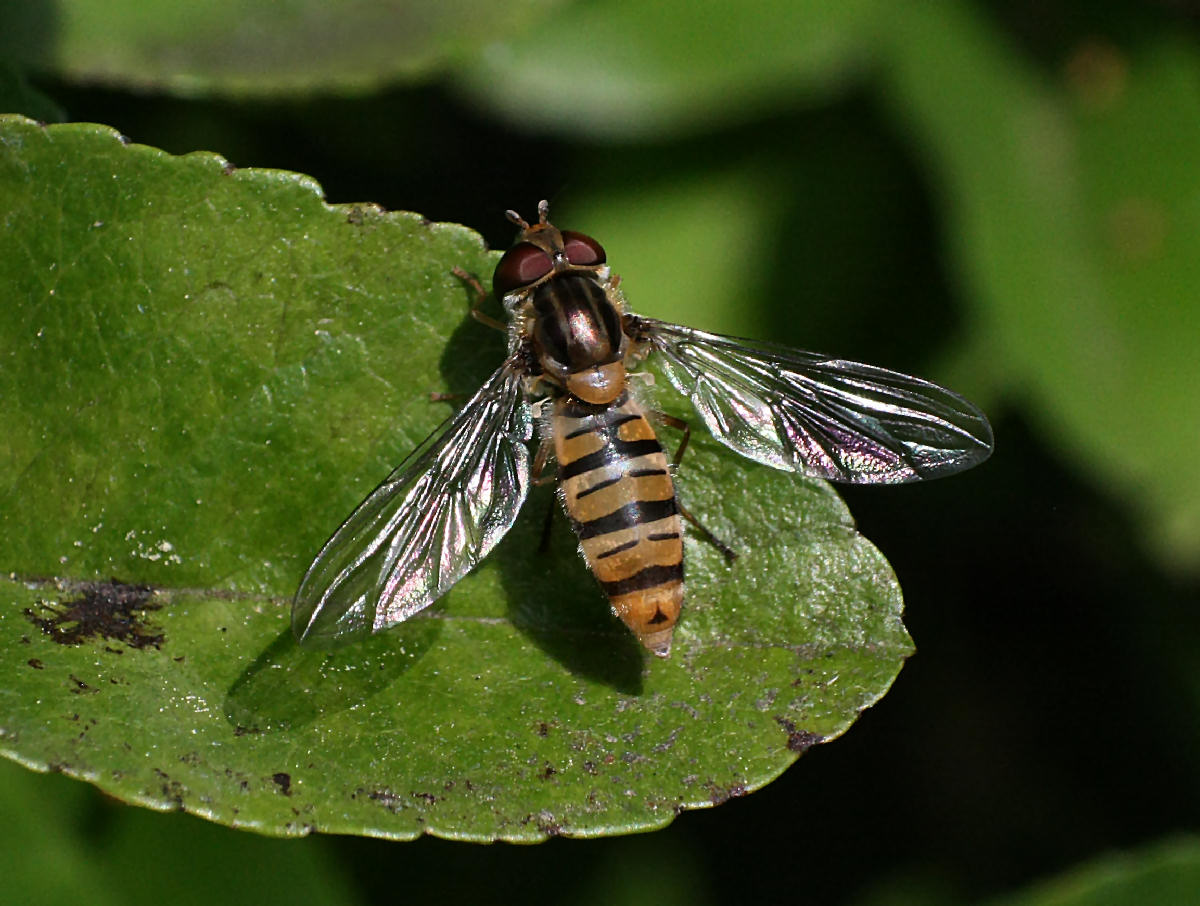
(572, 343)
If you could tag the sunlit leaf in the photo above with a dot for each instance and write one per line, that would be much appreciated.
(204, 370)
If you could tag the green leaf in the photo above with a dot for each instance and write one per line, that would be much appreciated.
(1164, 873)
(54, 854)
(1075, 212)
(637, 70)
(253, 47)
(16, 96)
(205, 370)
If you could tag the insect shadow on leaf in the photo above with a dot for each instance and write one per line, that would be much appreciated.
(288, 687)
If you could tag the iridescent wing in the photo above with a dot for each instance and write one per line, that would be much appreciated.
(441, 512)
(837, 420)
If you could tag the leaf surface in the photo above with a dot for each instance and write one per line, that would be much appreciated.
(205, 369)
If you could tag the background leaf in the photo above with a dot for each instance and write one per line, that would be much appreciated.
(61, 863)
(1075, 212)
(640, 70)
(207, 369)
(250, 47)
(1166, 872)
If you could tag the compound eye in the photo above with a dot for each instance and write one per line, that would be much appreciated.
(521, 265)
(582, 250)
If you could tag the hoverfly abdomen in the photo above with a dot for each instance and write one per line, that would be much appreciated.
(617, 490)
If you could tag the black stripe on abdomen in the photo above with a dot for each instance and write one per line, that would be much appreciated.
(598, 416)
(650, 577)
(632, 514)
(616, 450)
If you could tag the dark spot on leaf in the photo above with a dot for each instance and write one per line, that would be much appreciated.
(800, 679)
(36, 664)
(669, 742)
(798, 740)
(719, 795)
(112, 650)
(178, 660)
(389, 800)
(239, 779)
(283, 780)
(549, 828)
(81, 687)
(543, 729)
(243, 731)
(430, 798)
(172, 790)
(357, 215)
(768, 699)
(548, 772)
(687, 709)
(590, 767)
(228, 169)
(110, 610)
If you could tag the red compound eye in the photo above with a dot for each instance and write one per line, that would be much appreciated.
(582, 250)
(521, 265)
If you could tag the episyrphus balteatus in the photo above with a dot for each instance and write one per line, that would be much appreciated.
(572, 343)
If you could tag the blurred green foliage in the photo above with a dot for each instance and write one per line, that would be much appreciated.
(1000, 196)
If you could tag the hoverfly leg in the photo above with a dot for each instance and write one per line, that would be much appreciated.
(726, 551)
(539, 466)
(545, 448)
(680, 424)
(480, 297)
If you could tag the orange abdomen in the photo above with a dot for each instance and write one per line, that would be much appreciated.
(617, 490)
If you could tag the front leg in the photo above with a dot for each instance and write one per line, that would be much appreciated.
(480, 297)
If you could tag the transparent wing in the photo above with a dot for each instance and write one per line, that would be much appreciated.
(441, 512)
(838, 420)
